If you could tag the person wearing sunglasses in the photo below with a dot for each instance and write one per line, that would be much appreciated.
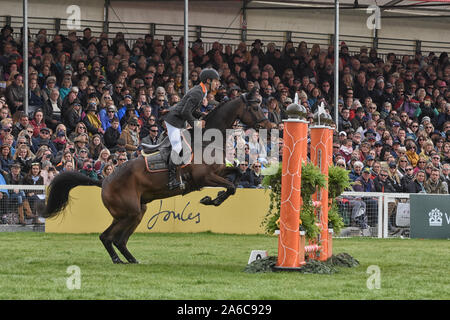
(383, 183)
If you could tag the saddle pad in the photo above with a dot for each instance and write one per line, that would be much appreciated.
(156, 161)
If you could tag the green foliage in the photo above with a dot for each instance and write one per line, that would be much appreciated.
(335, 220)
(309, 220)
(338, 181)
(312, 179)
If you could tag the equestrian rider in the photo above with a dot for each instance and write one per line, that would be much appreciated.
(187, 110)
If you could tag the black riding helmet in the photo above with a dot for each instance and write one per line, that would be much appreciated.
(208, 73)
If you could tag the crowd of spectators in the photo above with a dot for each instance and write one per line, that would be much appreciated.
(93, 100)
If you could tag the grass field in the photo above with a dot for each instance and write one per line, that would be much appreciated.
(210, 266)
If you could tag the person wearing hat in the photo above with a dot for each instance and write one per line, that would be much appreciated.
(50, 84)
(92, 121)
(364, 183)
(369, 161)
(130, 135)
(186, 111)
(257, 50)
(126, 108)
(73, 116)
(44, 139)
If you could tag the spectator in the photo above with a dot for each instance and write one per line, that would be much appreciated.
(107, 170)
(38, 122)
(15, 94)
(131, 136)
(417, 185)
(92, 121)
(18, 196)
(33, 177)
(383, 183)
(112, 133)
(72, 117)
(53, 108)
(357, 170)
(364, 183)
(95, 146)
(434, 184)
(252, 178)
(153, 137)
(102, 160)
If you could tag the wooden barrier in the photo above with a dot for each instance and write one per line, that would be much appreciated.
(291, 242)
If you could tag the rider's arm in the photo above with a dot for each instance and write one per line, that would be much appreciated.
(190, 105)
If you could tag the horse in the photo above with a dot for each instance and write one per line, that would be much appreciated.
(127, 191)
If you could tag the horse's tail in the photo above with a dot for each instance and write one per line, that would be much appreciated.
(59, 188)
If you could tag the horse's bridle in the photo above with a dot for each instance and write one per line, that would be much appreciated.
(247, 103)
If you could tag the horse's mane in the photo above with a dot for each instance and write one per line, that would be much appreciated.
(216, 109)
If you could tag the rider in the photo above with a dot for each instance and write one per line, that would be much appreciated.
(187, 110)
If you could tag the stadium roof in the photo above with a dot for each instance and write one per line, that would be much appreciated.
(404, 7)
(423, 8)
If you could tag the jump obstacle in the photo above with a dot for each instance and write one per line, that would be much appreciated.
(291, 241)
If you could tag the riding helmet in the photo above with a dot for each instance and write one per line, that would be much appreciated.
(208, 73)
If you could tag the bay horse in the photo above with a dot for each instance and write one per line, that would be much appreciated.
(131, 186)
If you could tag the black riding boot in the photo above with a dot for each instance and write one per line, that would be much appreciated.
(174, 183)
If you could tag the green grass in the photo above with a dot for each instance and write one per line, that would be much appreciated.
(210, 266)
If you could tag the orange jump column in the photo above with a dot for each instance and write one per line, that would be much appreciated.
(295, 137)
(321, 153)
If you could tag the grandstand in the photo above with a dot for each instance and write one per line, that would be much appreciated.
(394, 102)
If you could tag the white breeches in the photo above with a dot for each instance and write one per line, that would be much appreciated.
(174, 137)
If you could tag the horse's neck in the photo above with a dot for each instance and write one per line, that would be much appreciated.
(224, 117)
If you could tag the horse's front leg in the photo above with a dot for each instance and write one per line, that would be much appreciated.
(214, 180)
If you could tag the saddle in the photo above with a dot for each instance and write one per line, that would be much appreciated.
(157, 156)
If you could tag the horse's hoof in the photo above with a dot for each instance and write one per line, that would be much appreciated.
(206, 200)
(117, 261)
(133, 261)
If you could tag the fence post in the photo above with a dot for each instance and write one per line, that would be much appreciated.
(375, 40)
(418, 45)
(57, 25)
(331, 39)
(152, 29)
(288, 35)
(198, 32)
(381, 210)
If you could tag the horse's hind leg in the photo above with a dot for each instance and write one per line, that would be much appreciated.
(121, 240)
(107, 240)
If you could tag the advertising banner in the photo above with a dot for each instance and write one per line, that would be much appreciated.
(430, 216)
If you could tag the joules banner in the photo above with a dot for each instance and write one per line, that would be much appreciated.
(239, 214)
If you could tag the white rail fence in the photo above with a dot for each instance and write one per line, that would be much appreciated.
(387, 214)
